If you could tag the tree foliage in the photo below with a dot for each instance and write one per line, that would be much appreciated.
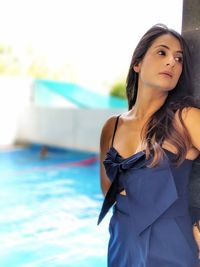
(118, 89)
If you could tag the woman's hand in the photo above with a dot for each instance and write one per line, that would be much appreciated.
(196, 233)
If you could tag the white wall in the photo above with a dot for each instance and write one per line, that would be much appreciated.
(68, 128)
(15, 95)
(22, 121)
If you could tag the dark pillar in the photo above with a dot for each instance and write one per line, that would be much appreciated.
(191, 32)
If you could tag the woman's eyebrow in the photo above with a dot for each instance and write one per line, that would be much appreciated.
(165, 46)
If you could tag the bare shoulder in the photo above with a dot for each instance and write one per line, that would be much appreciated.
(191, 119)
(107, 131)
(191, 115)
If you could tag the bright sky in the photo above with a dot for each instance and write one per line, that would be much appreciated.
(95, 37)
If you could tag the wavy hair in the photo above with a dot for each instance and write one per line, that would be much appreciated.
(160, 125)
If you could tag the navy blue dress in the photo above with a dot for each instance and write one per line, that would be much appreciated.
(151, 225)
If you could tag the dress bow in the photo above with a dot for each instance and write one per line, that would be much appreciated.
(114, 165)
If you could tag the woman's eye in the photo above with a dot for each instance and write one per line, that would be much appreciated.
(161, 53)
(179, 59)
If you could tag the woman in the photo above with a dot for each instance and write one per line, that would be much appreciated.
(146, 157)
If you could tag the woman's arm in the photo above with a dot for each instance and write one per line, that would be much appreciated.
(192, 123)
(105, 142)
(196, 234)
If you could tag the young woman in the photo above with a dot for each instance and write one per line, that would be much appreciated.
(146, 157)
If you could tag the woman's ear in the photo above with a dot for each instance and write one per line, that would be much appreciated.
(136, 67)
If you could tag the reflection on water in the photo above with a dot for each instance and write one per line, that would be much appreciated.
(48, 214)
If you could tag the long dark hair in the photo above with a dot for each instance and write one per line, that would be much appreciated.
(160, 125)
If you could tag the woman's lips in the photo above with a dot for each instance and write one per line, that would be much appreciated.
(167, 73)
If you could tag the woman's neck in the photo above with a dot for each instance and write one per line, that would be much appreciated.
(147, 103)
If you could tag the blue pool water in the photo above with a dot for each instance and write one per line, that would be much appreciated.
(49, 209)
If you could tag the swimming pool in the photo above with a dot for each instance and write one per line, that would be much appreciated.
(49, 208)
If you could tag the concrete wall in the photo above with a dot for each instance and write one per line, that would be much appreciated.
(70, 128)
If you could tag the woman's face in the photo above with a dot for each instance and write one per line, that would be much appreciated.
(162, 64)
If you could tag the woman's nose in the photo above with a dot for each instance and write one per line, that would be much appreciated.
(170, 61)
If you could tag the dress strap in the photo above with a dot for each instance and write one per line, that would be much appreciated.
(116, 123)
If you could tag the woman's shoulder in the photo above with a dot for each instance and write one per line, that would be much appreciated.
(108, 129)
(191, 119)
(189, 115)
(111, 120)
(109, 124)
